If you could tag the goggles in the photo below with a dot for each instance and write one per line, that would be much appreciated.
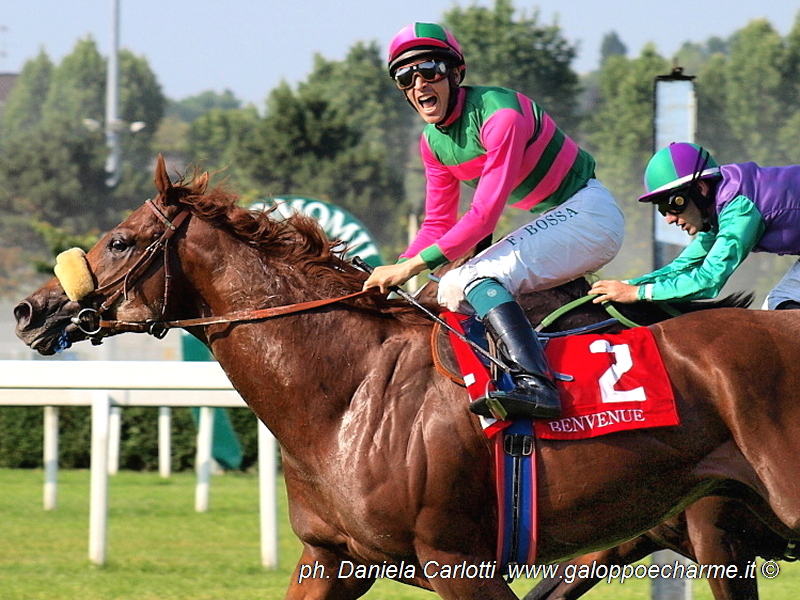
(675, 204)
(430, 71)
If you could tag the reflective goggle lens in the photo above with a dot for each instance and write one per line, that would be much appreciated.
(430, 70)
(674, 205)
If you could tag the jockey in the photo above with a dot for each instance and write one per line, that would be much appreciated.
(734, 209)
(513, 154)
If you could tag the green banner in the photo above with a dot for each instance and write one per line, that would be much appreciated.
(337, 223)
(225, 446)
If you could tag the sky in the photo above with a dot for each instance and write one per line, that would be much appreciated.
(250, 46)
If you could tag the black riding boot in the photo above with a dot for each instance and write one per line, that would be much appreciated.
(788, 305)
(534, 393)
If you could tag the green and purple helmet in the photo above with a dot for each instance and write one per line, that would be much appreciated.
(423, 40)
(675, 166)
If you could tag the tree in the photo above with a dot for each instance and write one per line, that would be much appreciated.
(77, 90)
(175, 136)
(374, 107)
(141, 101)
(337, 141)
(52, 171)
(622, 124)
(786, 144)
(713, 130)
(304, 146)
(754, 81)
(520, 54)
(612, 45)
(191, 108)
(220, 140)
(56, 174)
(46, 168)
(23, 110)
(287, 141)
(620, 135)
(216, 137)
(54, 165)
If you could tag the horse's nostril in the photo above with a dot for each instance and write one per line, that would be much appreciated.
(22, 313)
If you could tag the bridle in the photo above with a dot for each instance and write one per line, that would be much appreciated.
(91, 322)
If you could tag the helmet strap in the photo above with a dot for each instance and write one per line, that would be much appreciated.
(454, 79)
(707, 201)
(703, 202)
(695, 194)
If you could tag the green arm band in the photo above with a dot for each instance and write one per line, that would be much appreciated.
(433, 257)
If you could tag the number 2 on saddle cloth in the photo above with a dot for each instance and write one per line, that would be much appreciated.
(616, 382)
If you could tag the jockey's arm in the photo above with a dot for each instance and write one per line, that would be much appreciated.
(389, 276)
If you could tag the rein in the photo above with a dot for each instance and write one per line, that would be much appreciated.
(610, 309)
(154, 327)
(562, 310)
(90, 321)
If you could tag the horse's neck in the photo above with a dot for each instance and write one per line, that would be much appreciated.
(298, 372)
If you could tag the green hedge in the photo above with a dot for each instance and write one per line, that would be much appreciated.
(22, 428)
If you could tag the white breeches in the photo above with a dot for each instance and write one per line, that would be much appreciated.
(568, 241)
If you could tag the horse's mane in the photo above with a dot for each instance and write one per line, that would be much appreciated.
(300, 241)
(297, 240)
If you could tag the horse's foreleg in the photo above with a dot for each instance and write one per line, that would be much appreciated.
(714, 545)
(734, 588)
(317, 577)
(463, 577)
(568, 585)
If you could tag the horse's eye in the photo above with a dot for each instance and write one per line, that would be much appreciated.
(118, 245)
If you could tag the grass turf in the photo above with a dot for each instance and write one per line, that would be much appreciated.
(160, 549)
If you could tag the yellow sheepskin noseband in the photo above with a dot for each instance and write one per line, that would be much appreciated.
(73, 274)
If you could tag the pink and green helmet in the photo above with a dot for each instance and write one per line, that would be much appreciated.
(675, 166)
(423, 39)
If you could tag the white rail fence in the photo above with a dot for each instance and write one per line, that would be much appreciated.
(108, 386)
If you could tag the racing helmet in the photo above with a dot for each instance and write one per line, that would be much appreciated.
(678, 165)
(423, 39)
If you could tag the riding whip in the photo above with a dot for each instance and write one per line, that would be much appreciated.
(359, 262)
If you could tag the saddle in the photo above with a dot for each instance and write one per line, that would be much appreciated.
(444, 353)
(619, 383)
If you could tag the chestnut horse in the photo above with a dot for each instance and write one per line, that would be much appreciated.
(712, 531)
(388, 473)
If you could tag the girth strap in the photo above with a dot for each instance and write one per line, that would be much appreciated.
(517, 446)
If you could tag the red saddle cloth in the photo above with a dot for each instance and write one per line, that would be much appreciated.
(618, 383)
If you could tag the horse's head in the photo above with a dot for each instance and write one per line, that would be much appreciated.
(113, 280)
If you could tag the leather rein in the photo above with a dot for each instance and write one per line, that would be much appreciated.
(91, 323)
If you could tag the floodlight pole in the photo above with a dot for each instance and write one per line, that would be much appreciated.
(112, 102)
(674, 120)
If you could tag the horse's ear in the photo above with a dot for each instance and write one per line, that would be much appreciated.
(200, 184)
(161, 178)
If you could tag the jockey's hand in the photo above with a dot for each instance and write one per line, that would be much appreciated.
(389, 276)
(615, 291)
